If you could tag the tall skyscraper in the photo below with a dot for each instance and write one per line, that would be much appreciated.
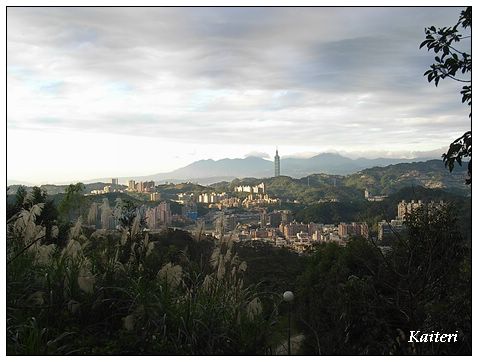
(277, 164)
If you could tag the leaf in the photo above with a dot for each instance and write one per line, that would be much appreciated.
(423, 43)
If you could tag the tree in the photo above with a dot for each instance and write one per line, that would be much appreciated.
(17, 205)
(71, 203)
(422, 283)
(20, 197)
(448, 62)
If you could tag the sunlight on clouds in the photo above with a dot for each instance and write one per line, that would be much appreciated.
(140, 79)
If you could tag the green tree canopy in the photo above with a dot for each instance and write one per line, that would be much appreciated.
(71, 203)
(452, 63)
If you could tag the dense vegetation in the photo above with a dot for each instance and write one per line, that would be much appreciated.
(124, 293)
(373, 212)
(450, 60)
(431, 174)
(357, 300)
(73, 290)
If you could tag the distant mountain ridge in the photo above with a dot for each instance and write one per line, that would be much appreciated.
(227, 169)
(210, 171)
(377, 180)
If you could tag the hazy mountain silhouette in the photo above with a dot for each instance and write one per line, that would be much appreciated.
(209, 171)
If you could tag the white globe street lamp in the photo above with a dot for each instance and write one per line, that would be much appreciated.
(288, 297)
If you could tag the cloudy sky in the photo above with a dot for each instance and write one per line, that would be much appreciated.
(103, 92)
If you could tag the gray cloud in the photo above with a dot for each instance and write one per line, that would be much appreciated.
(257, 154)
(295, 75)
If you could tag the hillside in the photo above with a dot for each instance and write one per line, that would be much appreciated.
(430, 174)
(378, 180)
(311, 189)
(321, 187)
(59, 189)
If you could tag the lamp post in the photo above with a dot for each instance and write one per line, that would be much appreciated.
(288, 297)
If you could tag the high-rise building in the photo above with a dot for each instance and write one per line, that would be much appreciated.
(148, 186)
(165, 216)
(155, 196)
(353, 229)
(277, 164)
(152, 217)
(131, 185)
(139, 186)
(405, 208)
(114, 181)
(286, 216)
(263, 218)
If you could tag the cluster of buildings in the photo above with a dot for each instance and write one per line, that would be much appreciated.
(276, 227)
(256, 197)
(369, 197)
(211, 197)
(133, 186)
(142, 186)
(113, 187)
(219, 200)
(159, 216)
(279, 229)
(353, 229)
(388, 230)
(259, 200)
(251, 201)
(302, 237)
(258, 189)
(102, 216)
(405, 208)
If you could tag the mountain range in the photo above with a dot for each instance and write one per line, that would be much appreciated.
(209, 171)
(377, 180)
(227, 169)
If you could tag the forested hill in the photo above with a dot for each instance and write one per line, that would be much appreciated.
(378, 180)
(430, 174)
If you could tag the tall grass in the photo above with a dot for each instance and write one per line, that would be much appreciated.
(120, 295)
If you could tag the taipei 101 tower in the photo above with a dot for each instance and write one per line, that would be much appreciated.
(277, 164)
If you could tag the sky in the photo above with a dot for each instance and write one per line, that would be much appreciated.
(116, 92)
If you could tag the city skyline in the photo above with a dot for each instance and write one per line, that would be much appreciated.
(106, 92)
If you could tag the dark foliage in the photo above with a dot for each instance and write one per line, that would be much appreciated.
(357, 300)
(452, 63)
